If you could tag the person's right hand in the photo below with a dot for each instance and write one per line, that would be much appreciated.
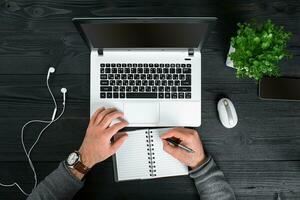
(189, 138)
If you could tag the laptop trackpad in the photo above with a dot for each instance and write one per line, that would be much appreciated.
(141, 112)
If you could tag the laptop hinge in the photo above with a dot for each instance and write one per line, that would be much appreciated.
(191, 52)
(100, 52)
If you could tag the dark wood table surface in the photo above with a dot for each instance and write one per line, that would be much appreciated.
(260, 157)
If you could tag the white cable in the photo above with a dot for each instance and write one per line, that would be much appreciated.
(28, 153)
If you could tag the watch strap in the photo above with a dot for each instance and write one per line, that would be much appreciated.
(79, 166)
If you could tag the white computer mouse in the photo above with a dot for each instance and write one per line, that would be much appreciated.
(227, 113)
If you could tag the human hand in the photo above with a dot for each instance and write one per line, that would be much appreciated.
(97, 145)
(189, 138)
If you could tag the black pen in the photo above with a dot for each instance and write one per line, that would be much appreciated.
(174, 143)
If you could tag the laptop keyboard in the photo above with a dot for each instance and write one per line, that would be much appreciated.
(145, 80)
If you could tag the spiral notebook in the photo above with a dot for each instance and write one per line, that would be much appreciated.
(142, 157)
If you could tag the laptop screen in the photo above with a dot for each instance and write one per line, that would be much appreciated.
(143, 35)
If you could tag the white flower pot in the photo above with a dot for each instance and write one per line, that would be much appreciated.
(229, 62)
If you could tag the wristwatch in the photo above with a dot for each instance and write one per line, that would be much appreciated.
(74, 162)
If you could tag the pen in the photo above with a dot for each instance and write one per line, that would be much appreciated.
(174, 143)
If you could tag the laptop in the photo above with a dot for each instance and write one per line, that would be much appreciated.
(148, 67)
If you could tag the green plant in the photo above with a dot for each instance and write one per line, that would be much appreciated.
(258, 49)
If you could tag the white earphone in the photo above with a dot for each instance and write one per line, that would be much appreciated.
(53, 119)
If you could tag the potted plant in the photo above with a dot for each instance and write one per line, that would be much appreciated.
(257, 49)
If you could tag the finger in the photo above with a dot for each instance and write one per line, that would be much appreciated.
(103, 114)
(118, 142)
(114, 129)
(173, 151)
(109, 118)
(176, 132)
(94, 116)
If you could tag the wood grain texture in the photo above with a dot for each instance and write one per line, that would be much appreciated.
(260, 157)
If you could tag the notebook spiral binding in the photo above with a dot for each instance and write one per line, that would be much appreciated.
(151, 156)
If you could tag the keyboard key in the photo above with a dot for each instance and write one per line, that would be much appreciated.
(110, 76)
(107, 70)
(107, 64)
(130, 76)
(131, 82)
(123, 65)
(176, 82)
(162, 77)
(149, 76)
(125, 82)
(172, 65)
(156, 65)
(167, 89)
(102, 65)
(188, 65)
(146, 70)
(122, 95)
(109, 95)
(140, 70)
(143, 76)
(151, 82)
(174, 95)
(161, 89)
(104, 82)
(181, 76)
(102, 70)
(114, 70)
(167, 95)
(153, 70)
(157, 82)
(116, 95)
(180, 95)
(166, 70)
(123, 76)
(186, 70)
(141, 95)
(134, 65)
(169, 76)
(117, 76)
(154, 89)
(128, 89)
(170, 83)
(127, 70)
(184, 89)
(113, 65)
(138, 82)
(140, 65)
(119, 82)
(177, 65)
(161, 95)
(172, 70)
(174, 89)
(135, 89)
(105, 88)
(163, 82)
(102, 95)
(187, 82)
(120, 70)
(136, 76)
(112, 82)
(144, 82)
(133, 70)
(188, 95)
(175, 76)
(122, 89)
(116, 88)
(178, 70)
(188, 77)
(159, 70)
(148, 89)
(141, 89)
(119, 65)
(103, 76)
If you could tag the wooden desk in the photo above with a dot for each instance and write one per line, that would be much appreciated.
(260, 157)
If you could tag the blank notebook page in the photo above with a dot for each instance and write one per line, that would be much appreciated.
(132, 158)
(165, 164)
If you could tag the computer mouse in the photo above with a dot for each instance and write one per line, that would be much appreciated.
(227, 113)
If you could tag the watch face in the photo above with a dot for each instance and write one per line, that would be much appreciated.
(72, 159)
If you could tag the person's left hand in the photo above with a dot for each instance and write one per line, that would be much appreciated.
(97, 145)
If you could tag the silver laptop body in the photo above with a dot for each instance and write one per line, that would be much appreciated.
(148, 68)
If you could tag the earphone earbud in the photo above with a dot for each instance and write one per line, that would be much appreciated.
(51, 70)
(64, 91)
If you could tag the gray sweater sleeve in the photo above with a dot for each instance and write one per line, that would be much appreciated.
(59, 185)
(210, 182)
